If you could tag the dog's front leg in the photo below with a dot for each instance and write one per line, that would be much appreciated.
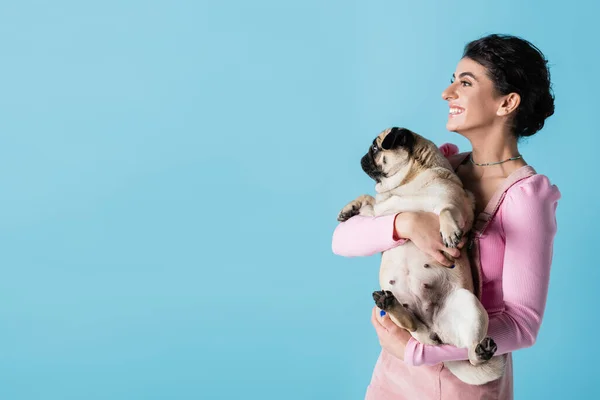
(452, 224)
(363, 205)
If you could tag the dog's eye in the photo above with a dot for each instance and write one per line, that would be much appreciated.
(375, 149)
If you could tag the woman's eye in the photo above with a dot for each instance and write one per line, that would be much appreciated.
(465, 83)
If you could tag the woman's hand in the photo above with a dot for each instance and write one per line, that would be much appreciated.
(423, 229)
(392, 338)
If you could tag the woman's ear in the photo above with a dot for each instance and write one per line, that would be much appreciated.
(509, 104)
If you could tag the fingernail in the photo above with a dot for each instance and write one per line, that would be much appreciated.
(452, 266)
(382, 313)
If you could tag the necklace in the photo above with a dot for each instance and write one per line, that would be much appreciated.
(493, 163)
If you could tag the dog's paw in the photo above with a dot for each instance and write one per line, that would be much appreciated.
(384, 299)
(451, 238)
(349, 211)
(486, 349)
(364, 202)
(451, 227)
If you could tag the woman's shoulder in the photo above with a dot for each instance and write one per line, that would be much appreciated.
(531, 190)
(530, 207)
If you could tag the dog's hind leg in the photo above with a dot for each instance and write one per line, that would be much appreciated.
(463, 322)
(386, 301)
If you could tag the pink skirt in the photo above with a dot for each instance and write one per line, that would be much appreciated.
(394, 380)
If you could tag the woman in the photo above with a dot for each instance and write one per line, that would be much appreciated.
(499, 93)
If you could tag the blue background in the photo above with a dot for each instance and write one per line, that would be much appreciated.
(171, 173)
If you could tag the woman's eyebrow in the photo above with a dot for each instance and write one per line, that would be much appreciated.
(466, 74)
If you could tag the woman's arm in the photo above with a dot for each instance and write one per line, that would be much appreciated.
(365, 236)
(529, 222)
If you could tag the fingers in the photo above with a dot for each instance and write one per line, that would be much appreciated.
(462, 243)
(379, 328)
(451, 252)
(383, 324)
(454, 253)
(440, 258)
(387, 323)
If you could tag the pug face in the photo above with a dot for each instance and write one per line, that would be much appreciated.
(391, 150)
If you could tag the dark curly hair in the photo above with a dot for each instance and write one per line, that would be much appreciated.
(516, 66)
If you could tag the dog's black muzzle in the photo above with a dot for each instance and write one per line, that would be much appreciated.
(368, 165)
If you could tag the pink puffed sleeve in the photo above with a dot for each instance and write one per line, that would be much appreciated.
(449, 149)
(365, 236)
(529, 223)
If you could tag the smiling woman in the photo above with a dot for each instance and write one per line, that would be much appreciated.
(499, 93)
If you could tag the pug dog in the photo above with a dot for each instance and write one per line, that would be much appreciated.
(436, 304)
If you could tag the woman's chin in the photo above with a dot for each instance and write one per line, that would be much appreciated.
(451, 126)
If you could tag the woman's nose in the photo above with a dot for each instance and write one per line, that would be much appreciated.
(449, 93)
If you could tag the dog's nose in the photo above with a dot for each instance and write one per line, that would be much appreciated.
(365, 163)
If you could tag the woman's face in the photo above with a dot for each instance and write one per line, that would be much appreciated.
(472, 99)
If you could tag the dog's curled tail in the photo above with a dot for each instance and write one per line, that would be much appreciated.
(480, 374)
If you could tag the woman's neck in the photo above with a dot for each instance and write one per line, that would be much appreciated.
(493, 148)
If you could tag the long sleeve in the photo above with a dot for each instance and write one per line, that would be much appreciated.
(529, 224)
(364, 236)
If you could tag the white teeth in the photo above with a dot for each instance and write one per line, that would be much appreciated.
(455, 111)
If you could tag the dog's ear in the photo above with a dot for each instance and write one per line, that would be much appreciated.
(396, 138)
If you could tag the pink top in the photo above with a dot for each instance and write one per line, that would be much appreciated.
(515, 254)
